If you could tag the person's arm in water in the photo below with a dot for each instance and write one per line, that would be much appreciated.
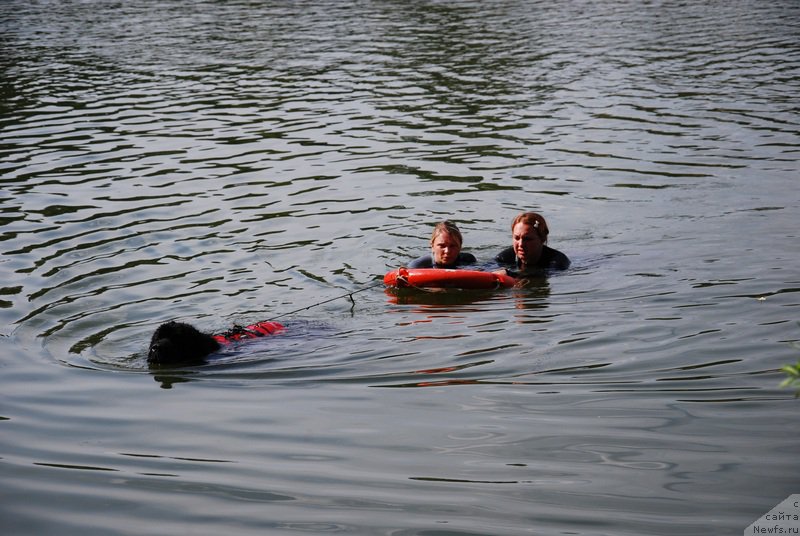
(465, 259)
(426, 261)
(422, 262)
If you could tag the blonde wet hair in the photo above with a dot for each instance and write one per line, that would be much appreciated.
(448, 227)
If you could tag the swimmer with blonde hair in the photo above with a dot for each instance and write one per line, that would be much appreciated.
(446, 252)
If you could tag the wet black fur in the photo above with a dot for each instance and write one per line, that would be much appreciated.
(176, 343)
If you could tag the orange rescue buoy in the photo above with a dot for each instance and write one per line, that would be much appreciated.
(446, 278)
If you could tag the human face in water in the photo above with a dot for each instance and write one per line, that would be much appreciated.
(528, 244)
(445, 249)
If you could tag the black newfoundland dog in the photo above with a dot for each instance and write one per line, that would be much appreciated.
(177, 343)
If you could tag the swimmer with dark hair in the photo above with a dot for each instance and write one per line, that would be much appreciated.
(529, 252)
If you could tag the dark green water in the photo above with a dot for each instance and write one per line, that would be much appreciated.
(221, 162)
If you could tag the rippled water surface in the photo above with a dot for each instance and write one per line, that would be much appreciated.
(229, 162)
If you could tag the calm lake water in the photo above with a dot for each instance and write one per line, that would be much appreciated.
(229, 162)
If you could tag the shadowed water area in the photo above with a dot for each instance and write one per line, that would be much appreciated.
(223, 163)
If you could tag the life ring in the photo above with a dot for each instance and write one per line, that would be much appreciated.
(446, 278)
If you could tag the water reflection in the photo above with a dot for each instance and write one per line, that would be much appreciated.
(169, 381)
(433, 299)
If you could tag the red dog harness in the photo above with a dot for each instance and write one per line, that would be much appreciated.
(252, 331)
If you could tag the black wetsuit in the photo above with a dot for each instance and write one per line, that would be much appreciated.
(550, 259)
(426, 261)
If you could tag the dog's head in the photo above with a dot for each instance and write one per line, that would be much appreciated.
(176, 343)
